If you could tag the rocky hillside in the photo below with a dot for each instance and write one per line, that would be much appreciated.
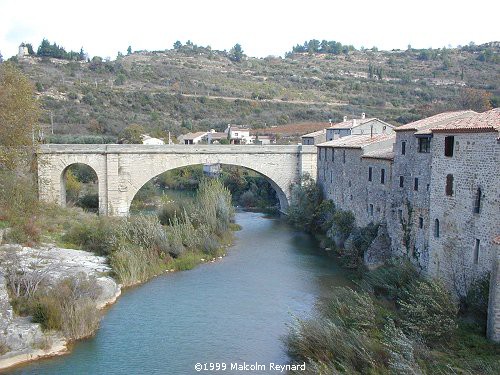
(196, 88)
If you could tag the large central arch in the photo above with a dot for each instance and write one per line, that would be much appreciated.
(123, 169)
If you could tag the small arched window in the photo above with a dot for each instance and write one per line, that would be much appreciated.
(436, 228)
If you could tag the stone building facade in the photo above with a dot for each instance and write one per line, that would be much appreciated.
(440, 199)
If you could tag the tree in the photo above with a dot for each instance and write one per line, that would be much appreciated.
(177, 45)
(236, 53)
(19, 113)
(475, 99)
(129, 50)
(132, 134)
(1, 57)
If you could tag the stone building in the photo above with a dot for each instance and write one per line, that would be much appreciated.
(363, 126)
(354, 172)
(408, 217)
(314, 138)
(465, 196)
(436, 186)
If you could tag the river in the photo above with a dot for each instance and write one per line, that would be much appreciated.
(232, 311)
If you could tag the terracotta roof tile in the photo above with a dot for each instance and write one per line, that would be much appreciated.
(488, 121)
(386, 153)
(433, 121)
(314, 134)
(349, 124)
(356, 141)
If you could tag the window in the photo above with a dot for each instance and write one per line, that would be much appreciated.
(449, 143)
(400, 215)
(331, 176)
(415, 184)
(403, 148)
(382, 176)
(436, 228)
(319, 153)
(371, 209)
(370, 172)
(449, 185)
(476, 251)
(333, 154)
(343, 157)
(424, 145)
(349, 183)
(477, 201)
(401, 181)
(420, 222)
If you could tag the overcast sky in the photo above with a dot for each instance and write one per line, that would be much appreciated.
(263, 28)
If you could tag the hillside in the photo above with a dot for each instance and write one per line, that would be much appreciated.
(197, 88)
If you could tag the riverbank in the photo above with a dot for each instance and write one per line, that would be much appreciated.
(24, 341)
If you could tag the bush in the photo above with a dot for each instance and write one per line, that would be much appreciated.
(98, 235)
(342, 226)
(428, 310)
(356, 244)
(392, 279)
(350, 309)
(69, 306)
(89, 202)
(305, 200)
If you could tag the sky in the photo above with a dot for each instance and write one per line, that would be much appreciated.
(263, 28)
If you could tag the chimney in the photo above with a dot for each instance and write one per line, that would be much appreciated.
(345, 118)
(363, 116)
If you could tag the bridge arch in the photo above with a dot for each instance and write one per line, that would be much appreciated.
(280, 194)
(64, 180)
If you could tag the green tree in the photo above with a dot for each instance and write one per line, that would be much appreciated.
(19, 113)
(132, 134)
(236, 53)
(177, 45)
(129, 50)
(1, 57)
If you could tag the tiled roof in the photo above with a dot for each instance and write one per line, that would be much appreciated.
(193, 135)
(488, 121)
(429, 122)
(386, 153)
(349, 124)
(217, 135)
(314, 134)
(356, 141)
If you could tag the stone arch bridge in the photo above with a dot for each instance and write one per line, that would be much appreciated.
(123, 169)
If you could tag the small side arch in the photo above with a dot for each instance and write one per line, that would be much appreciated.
(85, 169)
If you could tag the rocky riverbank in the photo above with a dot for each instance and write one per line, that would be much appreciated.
(20, 339)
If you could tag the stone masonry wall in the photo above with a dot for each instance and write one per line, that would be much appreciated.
(456, 256)
(408, 212)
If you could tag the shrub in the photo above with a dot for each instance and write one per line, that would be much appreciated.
(350, 309)
(400, 349)
(97, 235)
(356, 244)
(392, 279)
(342, 226)
(89, 202)
(4, 348)
(69, 306)
(428, 310)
